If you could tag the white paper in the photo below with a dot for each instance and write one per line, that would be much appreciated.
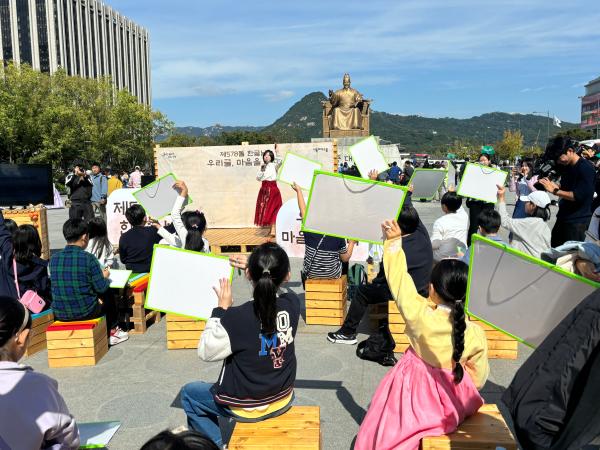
(299, 170)
(480, 182)
(158, 198)
(350, 208)
(426, 182)
(182, 282)
(519, 296)
(119, 278)
(367, 157)
(96, 433)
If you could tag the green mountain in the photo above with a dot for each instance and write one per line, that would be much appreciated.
(303, 121)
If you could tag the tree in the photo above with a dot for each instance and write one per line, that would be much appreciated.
(59, 119)
(510, 146)
(576, 133)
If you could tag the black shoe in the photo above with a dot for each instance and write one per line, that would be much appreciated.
(339, 338)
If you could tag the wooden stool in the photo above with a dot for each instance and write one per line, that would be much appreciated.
(299, 428)
(37, 336)
(486, 429)
(183, 332)
(326, 301)
(500, 345)
(397, 326)
(72, 344)
(140, 317)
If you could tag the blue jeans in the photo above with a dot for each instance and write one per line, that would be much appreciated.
(202, 411)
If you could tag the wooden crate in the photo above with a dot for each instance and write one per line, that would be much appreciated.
(72, 344)
(326, 301)
(37, 336)
(500, 346)
(486, 429)
(140, 318)
(236, 240)
(35, 216)
(183, 332)
(397, 325)
(297, 429)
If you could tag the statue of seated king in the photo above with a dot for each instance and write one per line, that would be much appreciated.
(346, 113)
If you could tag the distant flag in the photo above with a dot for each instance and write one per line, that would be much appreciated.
(557, 122)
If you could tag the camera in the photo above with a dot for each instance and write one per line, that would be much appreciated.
(547, 165)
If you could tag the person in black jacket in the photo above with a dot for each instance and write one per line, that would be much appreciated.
(7, 279)
(80, 186)
(256, 342)
(553, 398)
(32, 270)
(137, 244)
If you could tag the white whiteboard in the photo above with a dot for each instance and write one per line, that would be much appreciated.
(480, 182)
(521, 295)
(298, 169)
(158, 197)
(426, 182)
(367, 157)
(182, 281)
(351, 208)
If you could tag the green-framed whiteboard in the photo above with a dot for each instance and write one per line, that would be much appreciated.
(298, 169)
(182, 281)
(158, 197)
(351, 207)
(480, 182)
(367, 156)
(522, 296)
(426, 183)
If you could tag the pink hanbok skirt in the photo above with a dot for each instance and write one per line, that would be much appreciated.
(415, 400)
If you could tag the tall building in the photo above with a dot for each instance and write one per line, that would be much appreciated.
(85, 37)
(590, 107)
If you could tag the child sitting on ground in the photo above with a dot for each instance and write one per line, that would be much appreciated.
(189, 226)
(434, 387)
(78, 281)
(137, 244)
(256, 342)
(32, 412)
(449, 235)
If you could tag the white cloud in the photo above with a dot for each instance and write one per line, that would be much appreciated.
(279, 95)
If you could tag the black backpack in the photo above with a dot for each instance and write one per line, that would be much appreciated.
(379, 347)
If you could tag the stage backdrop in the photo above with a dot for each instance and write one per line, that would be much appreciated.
(222, 179)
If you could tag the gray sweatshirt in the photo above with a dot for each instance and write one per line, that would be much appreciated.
(33, 415)
(531, 235)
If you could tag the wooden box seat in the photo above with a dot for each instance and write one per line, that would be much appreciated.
(37, 336)
(81, 343)
(183, 332)
(486, 429)
(397, 326)
(500, 345)
(299, 428)
(326, 301)
(140, 317)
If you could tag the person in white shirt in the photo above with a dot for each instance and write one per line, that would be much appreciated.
(531, 235)
(269, 200)
(99, 245)
(33, 414)
(449, 237)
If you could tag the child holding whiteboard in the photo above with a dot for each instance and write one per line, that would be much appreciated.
(33, 414)
(477, 206)
(434, 387)
(269, 200)
(255, 341)
(189, 226)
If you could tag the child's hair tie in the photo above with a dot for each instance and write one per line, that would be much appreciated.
(194, 226)
(266, 273)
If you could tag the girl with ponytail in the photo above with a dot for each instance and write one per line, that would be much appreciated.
(32, 412)
(256, 342)
(189, 226)
(434, 386)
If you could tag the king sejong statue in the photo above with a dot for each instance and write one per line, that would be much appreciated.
(346, 106)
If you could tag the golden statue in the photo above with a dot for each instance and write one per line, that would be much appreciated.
(346, 113)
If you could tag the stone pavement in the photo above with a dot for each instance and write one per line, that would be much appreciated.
(138, 382)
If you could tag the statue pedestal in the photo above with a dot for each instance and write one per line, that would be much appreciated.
(391, 152)
(347, 133)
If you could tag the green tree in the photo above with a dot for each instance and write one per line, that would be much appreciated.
(510, 146)
(576, 133)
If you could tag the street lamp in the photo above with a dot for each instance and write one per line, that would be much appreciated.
(545, 112)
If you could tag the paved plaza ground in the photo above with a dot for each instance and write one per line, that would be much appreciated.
(138, 382)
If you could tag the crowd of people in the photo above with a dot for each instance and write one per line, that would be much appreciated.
(429, 391)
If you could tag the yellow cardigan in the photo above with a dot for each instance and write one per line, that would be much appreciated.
(429, 328)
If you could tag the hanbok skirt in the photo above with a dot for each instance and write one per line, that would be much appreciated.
(415, 400)
(268, 204)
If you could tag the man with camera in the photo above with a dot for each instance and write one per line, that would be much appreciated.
(80, 185)
(575, 190)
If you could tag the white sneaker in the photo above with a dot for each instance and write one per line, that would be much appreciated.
(117, 336)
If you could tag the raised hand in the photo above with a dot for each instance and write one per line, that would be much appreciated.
(224, 293)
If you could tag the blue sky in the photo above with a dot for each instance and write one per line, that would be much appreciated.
(246, 62)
